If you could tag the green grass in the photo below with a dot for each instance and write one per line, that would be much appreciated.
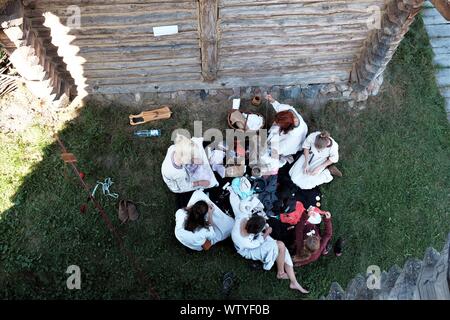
(391, 204)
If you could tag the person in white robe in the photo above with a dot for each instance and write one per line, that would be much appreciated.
(259, 245)
(288, 132)
(217, 228)
(312, 169)
(186, 167)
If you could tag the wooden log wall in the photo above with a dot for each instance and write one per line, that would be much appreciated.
(220, 44)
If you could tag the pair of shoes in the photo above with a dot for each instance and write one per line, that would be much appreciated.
(335, 171)
(127, 211)
(339, 247)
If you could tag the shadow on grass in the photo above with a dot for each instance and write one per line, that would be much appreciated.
(391, 204)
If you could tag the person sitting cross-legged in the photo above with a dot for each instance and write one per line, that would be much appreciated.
(316, 164)
(252, 240)
(202, 224)
(310, 241)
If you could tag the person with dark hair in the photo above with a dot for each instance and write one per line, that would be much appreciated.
(252, 240)
(288, 131)
(316, 165)
(202, 224)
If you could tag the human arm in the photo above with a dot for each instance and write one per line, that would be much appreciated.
(278, 107)
(321, 167)
(305, 164)
(267, 232)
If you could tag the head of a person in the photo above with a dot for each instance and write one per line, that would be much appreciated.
(196, 216)
(285, 120)
(255, 224)
(310, 246)
(322, 140)
(186, 151)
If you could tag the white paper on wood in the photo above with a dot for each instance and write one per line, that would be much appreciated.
(236, 103)
(165, 30)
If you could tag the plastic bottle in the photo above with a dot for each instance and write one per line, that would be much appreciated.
(148, 133)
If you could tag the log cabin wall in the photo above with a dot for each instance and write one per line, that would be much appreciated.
(220, 44)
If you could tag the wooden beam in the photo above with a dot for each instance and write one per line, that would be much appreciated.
(208, 17)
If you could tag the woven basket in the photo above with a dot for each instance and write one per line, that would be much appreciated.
(231, 126)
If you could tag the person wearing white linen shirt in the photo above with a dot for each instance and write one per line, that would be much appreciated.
(252, 240)
(288, 131)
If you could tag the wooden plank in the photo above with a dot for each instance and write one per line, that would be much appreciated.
(208, 18)
(440, 43)
(438, 30)
(442, 60)
(443, 77)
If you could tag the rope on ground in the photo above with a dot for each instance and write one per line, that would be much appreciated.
(105, 188)
(142, 277)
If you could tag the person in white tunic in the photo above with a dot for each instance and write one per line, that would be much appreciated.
(252, 240)
(312, 169)
(288, 132)
(202, 224)
(186, 167)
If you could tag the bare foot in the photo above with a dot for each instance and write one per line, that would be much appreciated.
(282, 276)
(297, 286)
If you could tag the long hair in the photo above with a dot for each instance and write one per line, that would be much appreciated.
(310, 246)
(285, 120)
(196, 216)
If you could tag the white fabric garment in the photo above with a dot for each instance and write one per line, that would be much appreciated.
(316, 158)
(222, 225)
(291, 142)
(249, 247)
(178, 179)
(254, 121)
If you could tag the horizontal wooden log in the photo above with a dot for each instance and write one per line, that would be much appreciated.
(93, 8)
(121, 65)
(151, 80)
(138, 18)
(296, 9)
(140, 72)
(286, 41)
(241, 3)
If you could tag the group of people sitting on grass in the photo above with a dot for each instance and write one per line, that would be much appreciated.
(273, 217)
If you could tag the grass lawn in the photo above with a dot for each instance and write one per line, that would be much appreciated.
(391, 204)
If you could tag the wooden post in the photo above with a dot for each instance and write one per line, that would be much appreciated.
(208, 17)
(382, 43)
